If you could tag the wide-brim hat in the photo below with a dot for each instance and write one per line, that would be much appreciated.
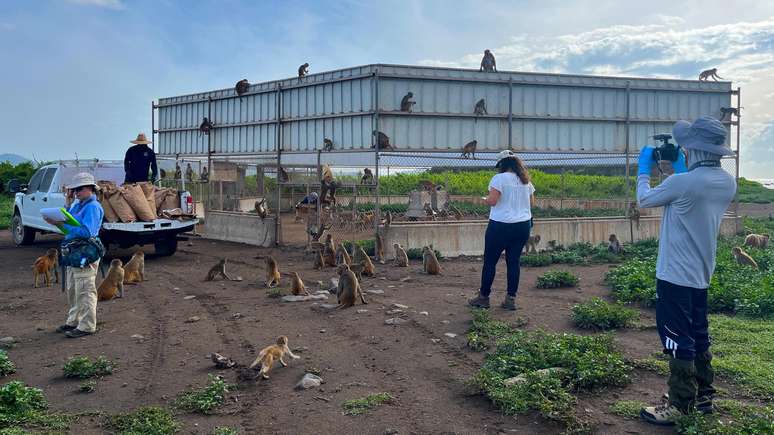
(705, 134)
(82, 179)
(504, 154)
(141, 140)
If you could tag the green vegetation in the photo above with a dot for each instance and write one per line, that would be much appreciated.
(148, 420)
(557, 279)
(470, 209)
(7, 366)
(204, 400)
(24, 407)
(752, 191)
(627, 408)
(416, 254)
(653, 364)
(584, 253)
(224, 430)
(484, 330)
(535, 260)
(6, 212)
(81, 367)
(732, 418)
(88, 386)
(22, 172)
(597, 313)
(275, 292)
(362, 405)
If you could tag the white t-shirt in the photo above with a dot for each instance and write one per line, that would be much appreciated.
(513, 205)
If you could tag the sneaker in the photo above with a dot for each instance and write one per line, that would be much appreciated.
(509, 303)
(65, 328)
(77, 333)
(479, 301)
(663, 415)
(703, 403)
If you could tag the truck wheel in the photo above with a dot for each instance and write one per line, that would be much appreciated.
(21, 235)
(166, 247)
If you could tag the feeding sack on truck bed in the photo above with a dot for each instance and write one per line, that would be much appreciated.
(104, 200)
(148, 191)
(121, 206)
(134, 195)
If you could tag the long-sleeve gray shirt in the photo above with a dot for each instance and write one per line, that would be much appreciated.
(694, 203)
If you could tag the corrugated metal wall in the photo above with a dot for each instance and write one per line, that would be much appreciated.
(545, 112)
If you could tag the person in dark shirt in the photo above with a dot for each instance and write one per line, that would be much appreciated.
(139, 158)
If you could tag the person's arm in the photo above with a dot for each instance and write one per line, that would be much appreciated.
(663, 194)
(532, 200)
(90, 219)
(493, 197)
(154, 168)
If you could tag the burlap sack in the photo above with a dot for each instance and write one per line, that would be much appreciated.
(110, 214)
(134, 195)
(170, 200)
(159, 193)
(148, 190)
(121, 207)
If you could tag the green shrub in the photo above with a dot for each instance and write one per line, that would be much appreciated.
(597, 313)
(147, 420)
(634, 281)
(484, 330)
(20, 404)
(6, 212)
(567, 257)
(367, 245)
(88, 386)
(557, 279)
(752, 191)
(204, 400)
(736, 419)
(275, 292)
(416, 254)
(535, 260)
(743, 350)
(224, 430)
(81, 367)
(360, 406)
(7, 366)
(627, 408)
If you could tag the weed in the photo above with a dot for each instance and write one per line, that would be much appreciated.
(752, 191)
(535, 260)
(484, 330)
(203, 401)
(274, 292)
(82, 367)
(224, 430)
(730, 420)
(634, 281)
(20, 404)
(7, 366)
(146, 420)
(557, 279)
(88, 386)
(653, 364)
(360, 406)
(597, 313)
(627, 408)
(6, 211)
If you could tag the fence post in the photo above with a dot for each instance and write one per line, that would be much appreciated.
(278, 143)
(562, 193)
(736, 159)
(626, 151)
(377, 205)
(510, 112)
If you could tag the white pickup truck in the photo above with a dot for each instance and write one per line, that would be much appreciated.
(45, 190)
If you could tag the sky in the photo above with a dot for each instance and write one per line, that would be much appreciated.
(78, 76)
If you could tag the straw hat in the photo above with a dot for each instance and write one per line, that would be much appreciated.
(141, 139)
(705, 134)
(82, 179)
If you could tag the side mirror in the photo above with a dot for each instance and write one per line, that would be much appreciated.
(14, 186)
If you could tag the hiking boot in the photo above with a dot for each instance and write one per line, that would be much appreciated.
(65, 328)
(509, 303)
(663, 415)
(703, 403)
(77, 333)
(479, 301)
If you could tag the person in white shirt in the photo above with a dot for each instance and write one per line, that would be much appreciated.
(511, 196)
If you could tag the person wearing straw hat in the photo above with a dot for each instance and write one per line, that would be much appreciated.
(138, 160)
(81, 281)
(511, 196)
(694, 198)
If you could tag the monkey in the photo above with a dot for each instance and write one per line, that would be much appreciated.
(379, 249)
(260, 208)
(219, 269)
(729, 111)
(303, 70)
(757, 240)
(272, 272)
(388, 219)
(401, 259)
(297, 286)
(488, 63)
(319, 263)
(327, 144)
(113, 284)
(342, 256)
(743, 258)
(531, 246)
(553, 246)
(406, 104)
(329, 252)
(205, 127)
(349, 289)
(43, 266)
(613, 245)
(429, 211)
(430, 263)
(269, 354)
(242, 87)
(357, 269)
(382, 141)
(134, 271)
(634, 214)
(469, 149)
(427, 185)
(710, 73)
(480, 108)
(360, 257)
(368, 177)
(282, 175)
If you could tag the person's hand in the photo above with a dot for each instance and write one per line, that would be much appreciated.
(51, 221)
(646, 163)
(679, 166)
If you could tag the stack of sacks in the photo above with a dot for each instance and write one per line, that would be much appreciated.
(135, 202)
(165, 199)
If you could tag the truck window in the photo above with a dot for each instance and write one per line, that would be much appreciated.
(45, 183)
(35, 181)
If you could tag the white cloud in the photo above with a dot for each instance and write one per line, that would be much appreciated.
(108, 4)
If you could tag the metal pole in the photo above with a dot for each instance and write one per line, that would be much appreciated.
(319, 191)
(153, 126)
(209, 150)
(738, 148)
(510, 112)
(377, 206)
(628, 169)
(278, 144)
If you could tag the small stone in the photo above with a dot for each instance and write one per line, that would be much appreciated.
(394, 321)
(450, 334)
(424, 313)
(333, 283)
(324, 307)
(237, 315)
(302, 298)
(391, 432)
(175, 288)
(406, 279)
(322, 331)
(7, 340)
(138, 337)
(435, 340)
(375, 291)
(193, 319)
(390, 286)
(445, 322)
(393, 312)
(400, 306)
(189, 297)
(124, 385)
(361, 311)
(309, 381)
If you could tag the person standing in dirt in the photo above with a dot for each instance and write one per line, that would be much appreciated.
(81, 281)
(694, 200)
(511, 196)
(138, 160)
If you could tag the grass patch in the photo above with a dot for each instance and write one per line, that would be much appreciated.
(224, 430)
(627, 408)
(653, 364)
(485, 330)
(744, 352)
(732, 418)
(535, 260)
(146, 420)
(88, 386)
(7, 366)
(275, 292)
(23, 407)
(81, 367)
(557, 279)
(416, 254)
(752, 191)
(204, 400)
(364, 404)
(597, 313)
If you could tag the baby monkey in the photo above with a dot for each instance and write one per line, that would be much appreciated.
(269, 354)
(220, 270)
(613, 245)
(272, 272)
(430, 262)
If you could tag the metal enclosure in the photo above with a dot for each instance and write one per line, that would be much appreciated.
(526, 112)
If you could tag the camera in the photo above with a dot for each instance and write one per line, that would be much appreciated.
(667, 151)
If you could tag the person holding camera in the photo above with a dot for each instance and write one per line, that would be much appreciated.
(694, 198)
(511, 195)
(81, 242)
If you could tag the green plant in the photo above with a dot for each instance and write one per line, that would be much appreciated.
(147, 420)
(730, 420)
(6, 212)
(627, 408)
(596, 313)
(653, 364)
(206, 399)
(82, 367)
(535, 260)
(274, 292)
(634, 281)
(88, 386)
(556, 279)
(20, 404)
(7, 366)
(224, 430)
(416, 254)
(752, 191)
(484, 330)
(360, 406)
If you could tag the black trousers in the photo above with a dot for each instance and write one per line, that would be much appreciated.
(681, 318)
(503, 237)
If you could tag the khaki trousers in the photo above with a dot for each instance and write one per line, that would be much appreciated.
(82, 297)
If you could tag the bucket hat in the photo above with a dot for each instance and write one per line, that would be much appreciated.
(705, 134)
(82, 179)
(504, 154)
(141, 139)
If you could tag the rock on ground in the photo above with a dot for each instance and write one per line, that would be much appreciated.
(309, 381)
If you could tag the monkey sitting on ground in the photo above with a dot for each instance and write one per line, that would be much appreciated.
(401, 259)
(368, 177)
(342, 256)
(272, 272)
(327, 144)
(319, 263)
(242, 87)
(113, 284)
(469, 149)
(614, 245)
(430, 263)
(379, 249)
(531, 246)
(205, 127)
(382, 141)
(297, 286)
(303, 70)
(757, 240)
(634, 214)
(134, 271)
(329, 252)
(406, 104)
(220, 270)
(349, 288)
(362, 258)
(709, 73)
(480, 108)
(743, 258)
(43, 266)
(269, 354)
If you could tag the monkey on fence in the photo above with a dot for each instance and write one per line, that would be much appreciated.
(729, 112)
(488, 63)
(260, 208)
(634, 214)
(205, 127)
(480, 108)
(242, 87)
(407, 104)
(303, 70)
(469, 149)
(368, 177)
(382, 141)
(709, 73)
(327, 144)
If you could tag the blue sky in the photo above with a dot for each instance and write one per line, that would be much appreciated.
(78, 76)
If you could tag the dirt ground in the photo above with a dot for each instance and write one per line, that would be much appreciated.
(356, 352)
